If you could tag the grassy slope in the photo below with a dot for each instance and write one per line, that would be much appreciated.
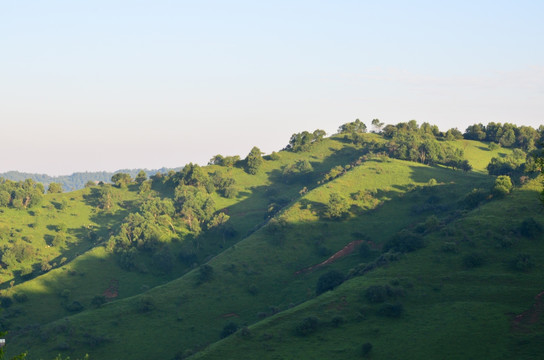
(195, 315)
(179, 304)
(451, 312)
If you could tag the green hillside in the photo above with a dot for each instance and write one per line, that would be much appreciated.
(167, 267)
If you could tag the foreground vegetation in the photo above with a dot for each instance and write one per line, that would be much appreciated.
(334, 247)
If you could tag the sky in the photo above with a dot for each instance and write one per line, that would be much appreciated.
(106, 85)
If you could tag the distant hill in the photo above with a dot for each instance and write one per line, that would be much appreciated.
(77, 181)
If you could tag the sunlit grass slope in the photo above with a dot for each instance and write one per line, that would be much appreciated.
(257, 276)
(451, 311)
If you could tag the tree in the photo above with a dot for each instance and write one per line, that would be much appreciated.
(254, 160)
(503, 185)
(54, 188)
(356, 126)
(377, 125)
(329, 281)
(141, 177)
(337, 206)
(121, 179)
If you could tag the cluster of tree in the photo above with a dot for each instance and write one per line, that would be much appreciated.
(408, 141)
(508, 135)
(509, 165)
(297, 170)
(303, 141)
(21, 194)
(221, 160)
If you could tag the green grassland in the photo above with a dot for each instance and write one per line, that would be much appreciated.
(256, 280)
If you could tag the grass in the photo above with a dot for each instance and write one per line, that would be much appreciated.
(254, 271)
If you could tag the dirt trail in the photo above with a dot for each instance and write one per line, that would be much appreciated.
(348, 249)
(113, 290)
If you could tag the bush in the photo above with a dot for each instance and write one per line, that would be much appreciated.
(337, 321)
(205, 273)
(367, 347)
(74, 306)
(146, 304)
(530, 228)
(404, 242)
(473, 260)
(391, 310)
(21, 297)
(474, 198)
(98, 300)
(376, 294)
(5, 302)
(329, 281)
(229, 329)
(522, 262)
(503, 185)
(307, 326)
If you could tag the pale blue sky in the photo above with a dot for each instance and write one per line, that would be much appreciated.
(103, 85)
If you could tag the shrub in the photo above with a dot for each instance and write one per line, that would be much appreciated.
(329, 281)
(473, 260)
(146, 304)
(205, 273)
(503, 185)
(391, 310)
(530, 228)
(74, 306)
(337, 321)
(20, 297)
(229, 329)
(5, 302)
(307, 326)
(98, 300)
(376, 294)
(474, 198)
(522, 262)
(404, 242)
(367, 347)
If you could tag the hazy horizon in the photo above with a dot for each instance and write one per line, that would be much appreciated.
(112, 85)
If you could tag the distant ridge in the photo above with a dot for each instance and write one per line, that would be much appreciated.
(78, 180)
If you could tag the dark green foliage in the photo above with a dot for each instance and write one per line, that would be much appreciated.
(20, 195)
(54, 188)
(297, 170)
(229, 329)
(5, 302)
(307, 326)
(522, 262)
(163, 261)
(20, 297)
(474, 198)
(337, 321)
(337, 206)
(205, 274)
(146, 304)
(254, 160)
(74, 306)
(376, 294)
(121, 179)
(391, 310)
(366, 349)
(98, 300)
(530, 228)
(473, 260)
(304, 140)
(329, 281)
(140, 177)
(403, 242)
(356, 126)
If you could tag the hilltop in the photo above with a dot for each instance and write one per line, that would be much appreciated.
(332, 247)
